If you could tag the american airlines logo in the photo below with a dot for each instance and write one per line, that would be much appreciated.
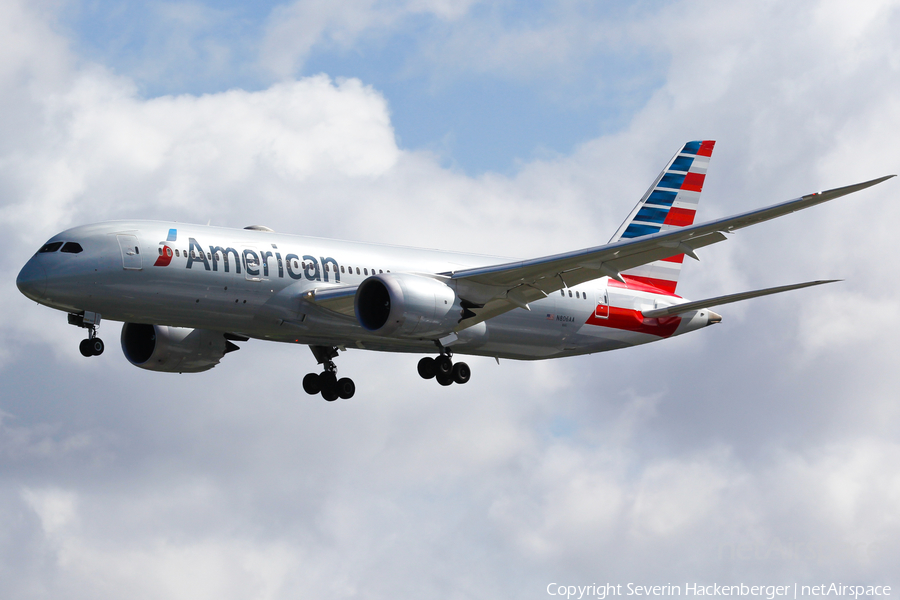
(255, 263)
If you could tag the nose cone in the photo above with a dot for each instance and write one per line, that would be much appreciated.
(714, 318)
(32, 280)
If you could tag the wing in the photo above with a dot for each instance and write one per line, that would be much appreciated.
(338, 298)
(496, 289)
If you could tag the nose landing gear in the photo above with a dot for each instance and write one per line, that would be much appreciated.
(327, 382)
(443, 369)
(93, 345)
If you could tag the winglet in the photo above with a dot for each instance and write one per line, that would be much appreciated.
(848, 189)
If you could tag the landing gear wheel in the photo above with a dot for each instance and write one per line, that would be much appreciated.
(461, 372)
(443, 364)
(328, 383)
(426, 367)
(330, 393)
(311, 384)
(85, 348)
(444, 378)
(345, 388)
(97, 346)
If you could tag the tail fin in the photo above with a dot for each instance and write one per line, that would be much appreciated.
(671, 202)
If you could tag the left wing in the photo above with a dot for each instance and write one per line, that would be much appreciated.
(496, 289)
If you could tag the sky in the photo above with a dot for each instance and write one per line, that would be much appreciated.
(761, 451)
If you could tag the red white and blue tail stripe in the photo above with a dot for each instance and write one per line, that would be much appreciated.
(671, 202)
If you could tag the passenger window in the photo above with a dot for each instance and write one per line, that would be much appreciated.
(342, 269)
(366, 271)
(570, 293)
(160, 251)
(380, 271)
(51, 247)
(357, 270)
(562, 293)
(74, 248)
(578, 295)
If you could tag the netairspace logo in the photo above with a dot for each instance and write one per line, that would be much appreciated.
(770, 592)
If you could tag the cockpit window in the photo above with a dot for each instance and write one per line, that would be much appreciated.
(72, 248)
(51, 247)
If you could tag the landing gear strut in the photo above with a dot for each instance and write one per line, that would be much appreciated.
(92, 346)
(327, 382)
(443, 369)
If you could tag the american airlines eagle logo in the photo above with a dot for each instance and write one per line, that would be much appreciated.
(165, 252)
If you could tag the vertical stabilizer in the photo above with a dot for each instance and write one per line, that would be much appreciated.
(671, 202)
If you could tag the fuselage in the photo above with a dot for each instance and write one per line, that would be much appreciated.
(252, 283)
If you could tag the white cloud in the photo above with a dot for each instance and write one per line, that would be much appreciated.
(655, 462)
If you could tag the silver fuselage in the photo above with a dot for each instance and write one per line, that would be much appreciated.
(252, 283)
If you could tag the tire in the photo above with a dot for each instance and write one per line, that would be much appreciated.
(311, 384)
(345, 388)
(85, 348)
(444, 378)
(443, 364)
(97, 347)
(426, 367)
(328, 383)
(327, 379)
(461, 372)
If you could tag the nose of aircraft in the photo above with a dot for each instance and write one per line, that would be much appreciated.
(32, 280)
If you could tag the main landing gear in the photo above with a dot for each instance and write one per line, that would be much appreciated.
(92, 346)
(327, 382)
(443, 369)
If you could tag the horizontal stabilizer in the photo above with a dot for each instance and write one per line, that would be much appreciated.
(719, 300)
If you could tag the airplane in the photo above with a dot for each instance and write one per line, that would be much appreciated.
(187, 293)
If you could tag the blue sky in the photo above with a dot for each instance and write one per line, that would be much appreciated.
(482, 119)
(498, 128)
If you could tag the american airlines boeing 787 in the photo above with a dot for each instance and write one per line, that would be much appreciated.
(186, 293)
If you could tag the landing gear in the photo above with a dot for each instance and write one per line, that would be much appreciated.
(327, 382)
(92, 346)
(443, 369)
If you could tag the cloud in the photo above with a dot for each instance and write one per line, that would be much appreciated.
(294, 29)
(762, 448)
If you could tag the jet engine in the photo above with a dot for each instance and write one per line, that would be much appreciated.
(405, 305)
(173, 349)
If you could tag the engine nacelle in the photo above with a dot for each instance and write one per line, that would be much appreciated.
(406, 305)
(173, 349)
